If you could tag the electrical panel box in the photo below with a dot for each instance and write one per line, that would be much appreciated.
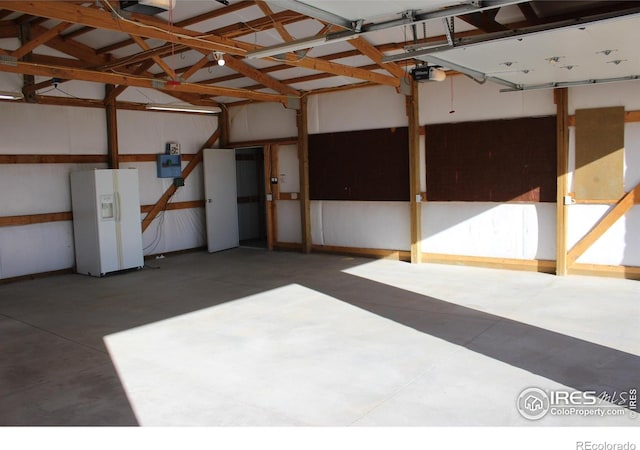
(169, 166)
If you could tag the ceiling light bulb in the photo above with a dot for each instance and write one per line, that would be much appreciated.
(221, 61)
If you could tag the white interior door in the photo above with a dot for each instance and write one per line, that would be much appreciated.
(221, 199)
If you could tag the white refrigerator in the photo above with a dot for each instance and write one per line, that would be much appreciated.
(107, 228)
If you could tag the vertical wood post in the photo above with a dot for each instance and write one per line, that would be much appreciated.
(112, 128)
(27, 80)
(224, 127)
(303, 157)
(268, 189)
(414, 174)
(561, 97)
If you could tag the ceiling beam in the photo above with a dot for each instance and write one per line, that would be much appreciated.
(5, 13)
(230, 31)
(9, 29)
(159, 61)
(339, 69)
(314, 77)
(40, 39)
(70, 47)
(150, 28)
(117, 90)
(282, 31)
(253, 73)
(376, 56)
(109, 78)
(190, 71)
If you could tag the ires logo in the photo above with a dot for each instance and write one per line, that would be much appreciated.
(534, 403)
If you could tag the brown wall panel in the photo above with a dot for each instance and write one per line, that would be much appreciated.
(360, 165)
(599, 153)
(495, 160)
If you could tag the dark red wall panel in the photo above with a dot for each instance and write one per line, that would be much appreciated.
(495, 160)
(359, 165)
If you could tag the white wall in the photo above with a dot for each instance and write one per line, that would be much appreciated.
(261, 121)
(514, 230)
(44, 188)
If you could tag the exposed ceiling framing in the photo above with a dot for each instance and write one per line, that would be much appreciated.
(49, 43)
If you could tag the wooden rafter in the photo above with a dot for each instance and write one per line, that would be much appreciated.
(5, 13)
(109, 78)
(41, 39)
(86, 58)
(253, 73)
(159, 61)
(159, 30)
(376, 56)
(70, 47)
(113, 93)
(154, 29)
(307, 78)
(9, 29)
(282, 31)
(194, 68)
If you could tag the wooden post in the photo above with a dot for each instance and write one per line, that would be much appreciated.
(268, 194)
(561, 96)
(303, 157)
(414, 174)
(275, 189)
(112, 128)
(223, 126)
(27, 80)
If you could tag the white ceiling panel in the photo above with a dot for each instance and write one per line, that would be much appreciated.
(581, 54)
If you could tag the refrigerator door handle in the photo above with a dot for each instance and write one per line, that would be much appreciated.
(117, 201)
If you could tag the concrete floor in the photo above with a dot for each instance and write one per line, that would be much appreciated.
(249, 337)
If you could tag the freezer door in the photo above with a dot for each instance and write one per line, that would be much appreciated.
(107, 230)
(127, 216)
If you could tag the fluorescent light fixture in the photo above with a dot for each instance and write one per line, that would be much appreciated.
(301, 44)
(4, 95)
(184, 108)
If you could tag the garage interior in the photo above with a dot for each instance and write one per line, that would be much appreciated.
(355, 213)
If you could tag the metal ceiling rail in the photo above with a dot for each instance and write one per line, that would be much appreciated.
(416, 51)
(562, 84)
(357, 27)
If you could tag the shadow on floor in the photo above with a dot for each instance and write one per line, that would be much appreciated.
(567, 360)
(55, 370)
